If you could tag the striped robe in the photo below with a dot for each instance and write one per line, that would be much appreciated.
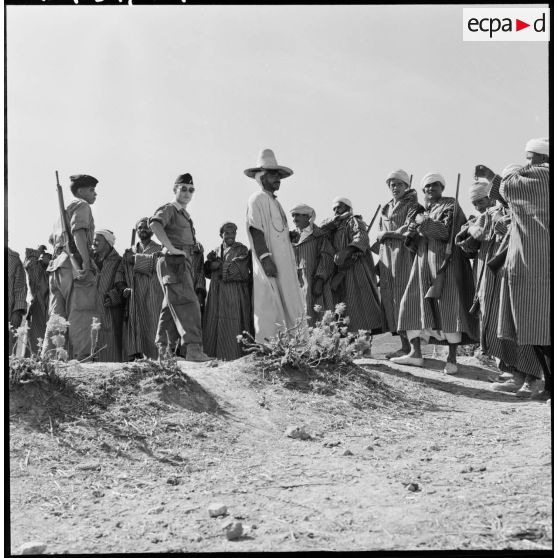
(144, 304)
(525, 296)
(37, 314)
(229, 307)
(358, 290)
(521, 357)
(314, 260)
(395, 260)
(17, 290)
(110, 333)
(415, 312)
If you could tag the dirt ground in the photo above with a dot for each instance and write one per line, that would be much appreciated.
(434, 462)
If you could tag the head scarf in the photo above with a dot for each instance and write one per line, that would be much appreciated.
(510, 169)
(339, 199)
(432, 177)
(107, 235)
(227, 224)
(184, 179)
(304, 210)
(399, 175)
(141, 221)
(478, 191)
(538, 145)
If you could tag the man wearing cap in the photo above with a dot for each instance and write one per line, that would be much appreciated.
(229, 308)
(138, 282)
(180, 316)
(72, 286)
(524, 313)
(447, 319)
(354, 280)
(277, 296)
(35, 264)
(17, 294)
(395, 260)
(314, 259)
(109, 298)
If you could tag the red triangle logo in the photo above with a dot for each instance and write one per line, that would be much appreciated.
(519, 25)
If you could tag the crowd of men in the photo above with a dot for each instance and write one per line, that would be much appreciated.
(440, 277)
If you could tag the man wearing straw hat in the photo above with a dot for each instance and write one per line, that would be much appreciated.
(277, 296)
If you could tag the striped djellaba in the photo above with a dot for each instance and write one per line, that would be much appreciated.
(17, 290)
(457, 294)
(525, 297)
(358, 290)
(228, 310)
(37, 314)
(314, 260)
(395, 260)
(144, 304)
(110, 316)
(522, 357)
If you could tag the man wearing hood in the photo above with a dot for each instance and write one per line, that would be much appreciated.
(395, 259)
(314, 259)
(525, 300)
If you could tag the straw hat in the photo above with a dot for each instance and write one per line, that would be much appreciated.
(267, 161)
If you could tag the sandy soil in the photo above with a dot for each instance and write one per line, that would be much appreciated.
(434, 462)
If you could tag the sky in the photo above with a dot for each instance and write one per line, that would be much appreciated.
(136, 95)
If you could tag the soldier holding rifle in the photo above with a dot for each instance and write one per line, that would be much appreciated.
(72, 272)
(395, 260)
(443, 316)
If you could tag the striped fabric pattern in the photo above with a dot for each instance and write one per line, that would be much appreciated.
(359, 290)
(144, 303)
(458, 292)
(523, 357)
(38, 285)
(229, 307)
(110, 333)
(17, 289)
(314, 259)
(395, 260)
(524, 313)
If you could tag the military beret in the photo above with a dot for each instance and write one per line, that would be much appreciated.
(80, 180)
(184, 179)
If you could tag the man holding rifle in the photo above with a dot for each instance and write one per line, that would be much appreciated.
(443, 315)
(72, 272)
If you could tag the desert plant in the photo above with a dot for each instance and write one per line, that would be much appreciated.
(328, 344)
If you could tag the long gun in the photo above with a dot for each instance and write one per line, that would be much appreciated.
(69, 242)
(128, 273)
(437, 286)
(374, 218)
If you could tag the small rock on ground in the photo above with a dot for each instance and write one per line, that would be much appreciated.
(32, 547)
(297, 432)
(347, 452)
(217, 509)
(233, 530)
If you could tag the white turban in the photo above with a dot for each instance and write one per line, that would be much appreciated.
(339, 199)
(304, 209)
(510, 169)
(478, 191)
(107, 235)
(432, 177)
(399, 175)
(538, 145)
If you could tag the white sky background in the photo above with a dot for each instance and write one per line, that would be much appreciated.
(136, 95)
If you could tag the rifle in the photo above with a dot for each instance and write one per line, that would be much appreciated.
(435, 290)
(474, 310)
(129, 279)
(374, 218)
(68, 240)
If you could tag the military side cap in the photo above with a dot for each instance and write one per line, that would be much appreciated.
(184, 179)
(79, 180)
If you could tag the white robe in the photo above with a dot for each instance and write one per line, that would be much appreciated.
(277, 300)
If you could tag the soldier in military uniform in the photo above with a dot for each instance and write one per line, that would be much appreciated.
(180, 318)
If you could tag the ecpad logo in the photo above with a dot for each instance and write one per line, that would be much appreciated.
(506, 24)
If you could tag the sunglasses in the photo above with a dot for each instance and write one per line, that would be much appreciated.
(190, 189)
